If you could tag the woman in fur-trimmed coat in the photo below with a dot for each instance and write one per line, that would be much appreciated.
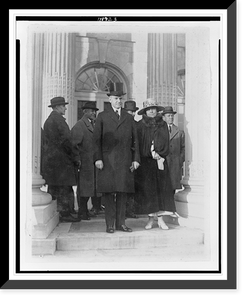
(153, 184)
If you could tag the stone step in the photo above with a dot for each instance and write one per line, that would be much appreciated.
(188, 253)
(91, 235)
(43, 246)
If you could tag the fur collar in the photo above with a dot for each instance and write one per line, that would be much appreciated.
(156, 121)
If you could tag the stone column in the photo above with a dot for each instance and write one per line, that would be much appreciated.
(39, 197)
(59, 72)
(162, 68)
(44, 215)
(191, 201)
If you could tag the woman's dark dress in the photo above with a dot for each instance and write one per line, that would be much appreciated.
(153, 186)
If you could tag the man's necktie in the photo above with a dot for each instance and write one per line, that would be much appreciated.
(170, 128)
(117, 113)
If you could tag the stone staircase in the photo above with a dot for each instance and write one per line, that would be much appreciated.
(87, 240)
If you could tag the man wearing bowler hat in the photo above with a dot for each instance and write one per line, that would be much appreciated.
(82, 140)
(114, 138)
(131, 108)
(176, 156)
(58, 166)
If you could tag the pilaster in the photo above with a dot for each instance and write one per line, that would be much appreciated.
(59, 72)
(191, 202)
(103, 47)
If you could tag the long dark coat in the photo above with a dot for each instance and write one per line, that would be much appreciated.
(82, 140)
(176, 156)
(116, 144)
(57, 161)
(153, 186)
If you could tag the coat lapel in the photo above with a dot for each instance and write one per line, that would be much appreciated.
(114, 116)
(122, 117)
(88, 124)
(174, 131)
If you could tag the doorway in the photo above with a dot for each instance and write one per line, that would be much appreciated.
(92, 84)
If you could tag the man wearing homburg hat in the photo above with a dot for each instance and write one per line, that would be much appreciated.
(82, 140)
(58, 166)
(176, 156)
(114, 138)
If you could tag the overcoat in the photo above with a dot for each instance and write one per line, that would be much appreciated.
(82, 140)
(57, 161)
(153, 186)
(176, 156)
(116, 144)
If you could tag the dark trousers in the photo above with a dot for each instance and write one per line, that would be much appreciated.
(64, 196)
(130, 205)
(96, 202)
(83, 210)
(115, 207)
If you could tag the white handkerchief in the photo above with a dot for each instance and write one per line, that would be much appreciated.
(160, 161)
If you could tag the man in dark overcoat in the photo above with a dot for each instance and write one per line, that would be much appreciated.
(116, 155)
(176, 156)
(82, 140)
(57, 162)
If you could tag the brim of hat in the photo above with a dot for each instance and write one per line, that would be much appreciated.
(51, 105)
(87, 107)
(132, 109)
(169, 112)
(143, 110)
(115, 94)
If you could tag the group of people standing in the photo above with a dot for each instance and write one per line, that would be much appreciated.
(114, 157)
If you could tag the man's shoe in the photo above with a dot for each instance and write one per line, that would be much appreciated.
(109, 230)
(124, 228)
(91, 215)
(69, 219)
(84, 217)
(94, 212)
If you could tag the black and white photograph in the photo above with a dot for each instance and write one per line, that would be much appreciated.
(122, 145)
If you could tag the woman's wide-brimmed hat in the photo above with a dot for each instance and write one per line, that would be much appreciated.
(150, 103)
(116, 89)
(168, 110)
(90, 105)
(130, 105)
(57, 101)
